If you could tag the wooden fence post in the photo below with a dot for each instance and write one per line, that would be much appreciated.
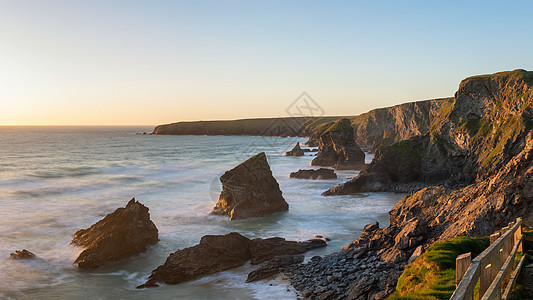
(485, 280)
(462, 262)
(494, 237)
(518, 234)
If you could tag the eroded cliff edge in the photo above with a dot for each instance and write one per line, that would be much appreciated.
(470, 139)
(486, 134)
(382, 126)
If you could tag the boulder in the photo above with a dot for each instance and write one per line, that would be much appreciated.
(273, 266)
(215, 253)
(337, 148)
(322, 173)
(264, 249)
(22, 254)
(124, 233)
(296, 151)
(250, 190)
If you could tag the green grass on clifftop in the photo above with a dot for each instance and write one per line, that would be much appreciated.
(432, 275)
(527, 76)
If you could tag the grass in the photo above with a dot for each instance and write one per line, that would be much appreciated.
(526, 76)
(341, 124)
(432, 275)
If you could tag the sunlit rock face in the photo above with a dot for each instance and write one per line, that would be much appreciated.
(337, 148)
(249, 190)
(124, 233)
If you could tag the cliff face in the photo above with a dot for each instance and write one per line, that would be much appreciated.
(337, 148)
(489, 128)
(257, 127)
(385, 126)
(372, 129)
(470, 139)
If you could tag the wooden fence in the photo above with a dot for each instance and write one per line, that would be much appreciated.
(493, 268)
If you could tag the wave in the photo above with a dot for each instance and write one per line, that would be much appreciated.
(66, 172)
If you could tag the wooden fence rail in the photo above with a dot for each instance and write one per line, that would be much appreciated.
(493, 268)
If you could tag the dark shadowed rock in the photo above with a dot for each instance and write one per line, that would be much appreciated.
(321, 173)
(215, 253)
(22, 254)
(273, 266)
(124, 233)
(264, 249)
(250, 190)
(296, 151)
(337, 148)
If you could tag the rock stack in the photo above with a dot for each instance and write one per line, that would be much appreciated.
(337, 148)
(249, 190)
(124, 233)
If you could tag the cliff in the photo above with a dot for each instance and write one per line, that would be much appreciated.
(488, 128)
(470, 139)
(372, 129)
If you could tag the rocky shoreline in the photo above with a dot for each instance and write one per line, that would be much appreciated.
(468, 170)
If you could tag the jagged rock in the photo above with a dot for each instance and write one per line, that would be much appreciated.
(312, 141)
(471, 139)
(416, 254)
(296, 151)
(250, 190)
(337, 148)
(264, 249)
(321, 173)
(22, 254)
(215, 253)
(124, 233)
(273, 266)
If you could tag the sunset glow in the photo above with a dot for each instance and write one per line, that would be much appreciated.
(131, 62)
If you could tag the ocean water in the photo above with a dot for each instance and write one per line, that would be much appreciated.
(57, 180)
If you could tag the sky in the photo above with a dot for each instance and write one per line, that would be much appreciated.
(156, 62)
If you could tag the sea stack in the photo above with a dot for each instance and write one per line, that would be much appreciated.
(296, 151)
(249, 190)
(124, 233)
(337, 148)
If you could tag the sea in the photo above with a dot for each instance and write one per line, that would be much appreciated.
(57, 180)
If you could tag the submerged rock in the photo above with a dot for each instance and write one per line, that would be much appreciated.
(250, 190)
(124, 233)
(321, 173)
(337, 148)
(296, 151)
(217, 253)
(22, 254)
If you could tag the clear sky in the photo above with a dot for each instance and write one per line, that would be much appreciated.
(154, 62)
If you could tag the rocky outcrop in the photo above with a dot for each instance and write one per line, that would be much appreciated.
(22, 254)
(386, 126)
(274, 266)
(124, 233)
(296, 151)
(487, 131)
(408, 166)
(321, 173)
(337, 148)
(217, 253)
(264, 249)
(249, 190)
(472, 138)
(437, 214)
